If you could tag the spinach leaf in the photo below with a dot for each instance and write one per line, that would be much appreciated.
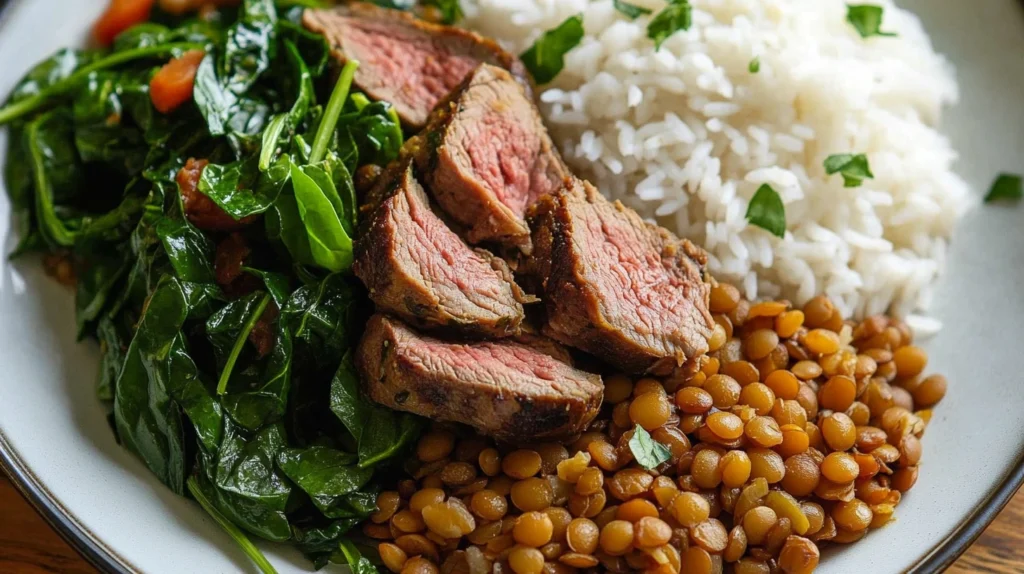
(150, 257)
(388, 434)
(320, 318)
(678, 15)
(250, 515)
(648, 452)
(148, 421)
(102, 273)
(223, 80)
(288, 122)
(257, 395)
(92, 172)
(113, 344)
(342, 180)
(348, 150)
(229, 328)
(546, 58)
(143, 35)
(18, 180)
(319, 543)
(380, 433)
(853, 167)
(357, 563)
(114, 225)
(631, 11)
(312, 46)
(189, 251)
(150, 34)
(242, 482)
(271, 135)
(56, 171)
(248, 118)
(284, 226)
(321, 210)
(191, 392)
(326, 475)
(201, 490)
(50, 71)
(378, 130)
(277, 284)
(250, 45)
(241, 189)
(47, 93)
(102, 132)
(766, 211)
(245, 466)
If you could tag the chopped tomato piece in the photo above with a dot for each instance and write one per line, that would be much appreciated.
(172, 85)
(262, 335)
(120, 15)
(231, 255)
(199, 209)
(232, 252)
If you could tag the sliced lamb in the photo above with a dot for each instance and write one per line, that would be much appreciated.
(418, 269)
(403, 60)
(487, 157)
(625, 291)
(502, 388)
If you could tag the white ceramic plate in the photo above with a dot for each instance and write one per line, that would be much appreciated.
(56, 443)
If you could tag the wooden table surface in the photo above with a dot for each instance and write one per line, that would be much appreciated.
(29, 546)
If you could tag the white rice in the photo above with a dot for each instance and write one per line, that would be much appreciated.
(687, 134)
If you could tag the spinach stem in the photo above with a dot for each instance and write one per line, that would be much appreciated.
(233, 531)
(50, 225)
(270, 138)
(333, 111)
(393, 114)
(360, 100)
(32, 103)
(222, 384)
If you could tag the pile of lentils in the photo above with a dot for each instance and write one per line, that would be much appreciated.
(799, 429)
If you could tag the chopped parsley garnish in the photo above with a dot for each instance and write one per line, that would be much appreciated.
(853, 168)
(767, 212)
(546, 58)
(755, 65)
(648, 452)
(1006, 186)
(631, 11)
(451, 11)
(676, 16)
(866, 19)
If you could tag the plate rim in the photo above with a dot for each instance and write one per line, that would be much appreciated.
(106, 559)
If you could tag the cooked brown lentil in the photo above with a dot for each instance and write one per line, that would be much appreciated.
(797, 430)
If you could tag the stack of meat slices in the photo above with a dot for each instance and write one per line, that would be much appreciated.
(450, 339)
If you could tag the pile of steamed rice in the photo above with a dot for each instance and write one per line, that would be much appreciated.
(686, 135)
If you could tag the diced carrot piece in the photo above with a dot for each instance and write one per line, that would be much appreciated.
(120, 15)
(172, 85)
